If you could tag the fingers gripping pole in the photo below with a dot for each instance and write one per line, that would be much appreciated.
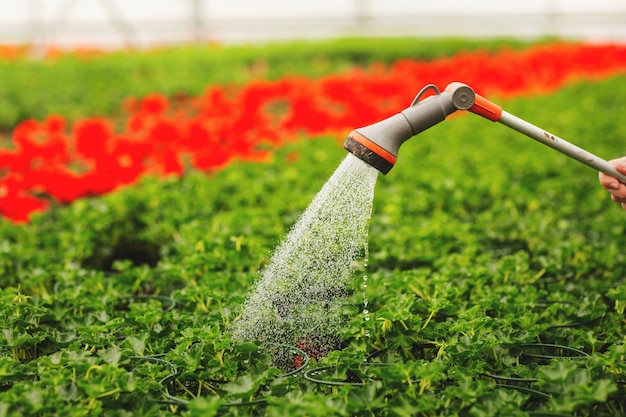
(493, 112)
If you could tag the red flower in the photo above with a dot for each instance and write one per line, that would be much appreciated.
(59, 183)
(54, 124)
(15, 202)
(13, 161)
(154, 104)
(19, 207)
(40, 143)
(91, 137)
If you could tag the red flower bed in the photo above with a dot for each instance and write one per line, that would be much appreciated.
(52, 159)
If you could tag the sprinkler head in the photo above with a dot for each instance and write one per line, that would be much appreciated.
(378, 144)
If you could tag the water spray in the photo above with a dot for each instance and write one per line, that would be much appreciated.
(378, 144)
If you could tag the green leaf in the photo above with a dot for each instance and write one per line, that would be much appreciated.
(560, 371)
(602, 389)
(204, 407)
(138, 343)
(111, 355)
(244, 385)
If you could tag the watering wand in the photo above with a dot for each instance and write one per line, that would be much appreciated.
(378, 144)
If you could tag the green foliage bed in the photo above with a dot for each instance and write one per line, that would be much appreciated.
(496, 283)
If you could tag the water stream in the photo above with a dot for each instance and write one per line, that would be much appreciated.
(299, 298)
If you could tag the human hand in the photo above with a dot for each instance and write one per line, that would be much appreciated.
(612, 185)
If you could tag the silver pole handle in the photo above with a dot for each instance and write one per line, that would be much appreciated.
(560, 145)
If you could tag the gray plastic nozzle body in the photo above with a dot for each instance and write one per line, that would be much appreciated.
(392, 132)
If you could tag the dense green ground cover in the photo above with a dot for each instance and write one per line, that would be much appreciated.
(486, 250)
(78, 86)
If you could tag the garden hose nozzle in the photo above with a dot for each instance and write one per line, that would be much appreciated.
(378, 144)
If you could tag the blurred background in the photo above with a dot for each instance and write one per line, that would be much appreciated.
(144, 23)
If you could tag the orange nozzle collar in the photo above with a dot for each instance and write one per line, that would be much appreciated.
(486, 109)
